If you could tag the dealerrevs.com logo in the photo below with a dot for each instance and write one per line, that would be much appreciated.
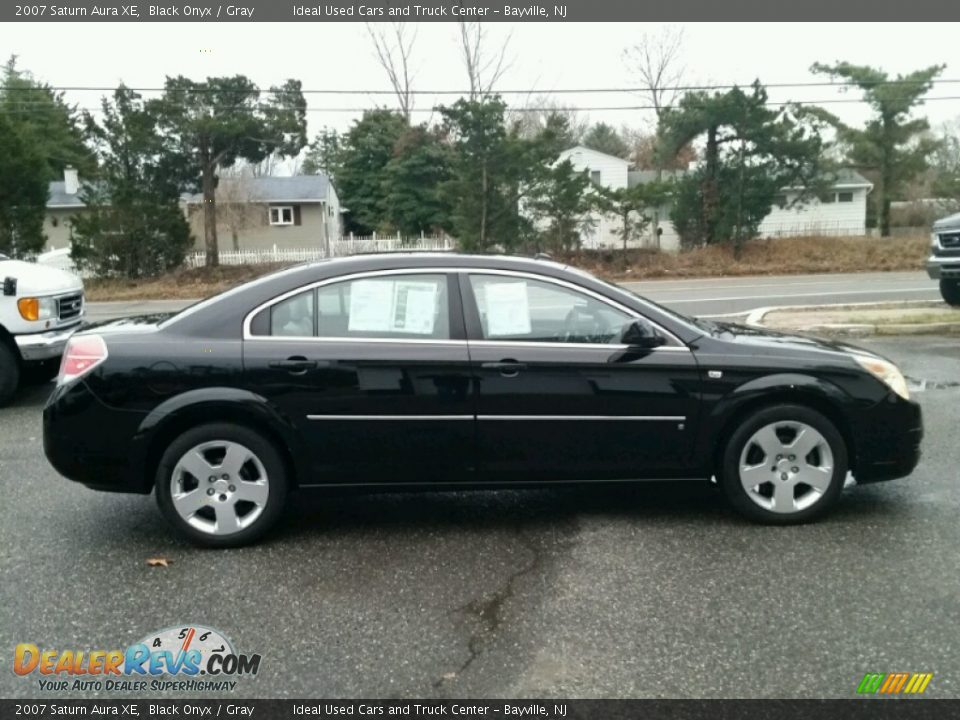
(184, 658)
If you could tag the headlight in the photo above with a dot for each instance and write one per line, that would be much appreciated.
(34, 309)
(886, 372)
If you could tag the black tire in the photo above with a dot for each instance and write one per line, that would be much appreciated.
(950, 290)
(739, 496)
(263, 450)
(37, 373)
(9, 373)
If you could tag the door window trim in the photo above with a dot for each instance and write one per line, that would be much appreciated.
(467, 288)
(453, 305)
(455, 277)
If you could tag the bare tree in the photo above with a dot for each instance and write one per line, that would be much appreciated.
(531, 118)
(657, 63)
(484, 67)
(236, 207)
(393, 43)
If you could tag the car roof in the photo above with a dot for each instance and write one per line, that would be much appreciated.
(222, 314)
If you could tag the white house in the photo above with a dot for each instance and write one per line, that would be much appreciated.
(842, 210)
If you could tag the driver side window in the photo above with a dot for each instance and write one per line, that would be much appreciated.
(527, 310)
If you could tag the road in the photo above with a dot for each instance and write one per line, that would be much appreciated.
(655, 591)
(704, 297)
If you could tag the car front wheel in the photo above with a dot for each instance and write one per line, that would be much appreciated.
(221, 485)
(950, 291)
(785, 464)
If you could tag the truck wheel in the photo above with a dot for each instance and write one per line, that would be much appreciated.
(37, 373)
(950, 290)
(9, 373)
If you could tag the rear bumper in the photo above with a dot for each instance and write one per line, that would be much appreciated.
(943, 267)
(46, 345)
(100, 460)
(888, 444)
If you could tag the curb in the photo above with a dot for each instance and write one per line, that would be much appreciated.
(755, 318)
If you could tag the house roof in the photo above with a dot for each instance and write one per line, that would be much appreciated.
(850, 178)
(296, 188)
(584, 149)
(60, 199)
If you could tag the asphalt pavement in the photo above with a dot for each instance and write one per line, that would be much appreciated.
(653, 591)
(705, 297)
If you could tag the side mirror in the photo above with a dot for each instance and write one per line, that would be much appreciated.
(641, 334)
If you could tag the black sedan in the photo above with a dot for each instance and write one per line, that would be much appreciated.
(416, 371)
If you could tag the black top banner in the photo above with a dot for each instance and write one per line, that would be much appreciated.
(487, 709)
(486, 11)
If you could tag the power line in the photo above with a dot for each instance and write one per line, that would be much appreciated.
(556, 91)
(527, 109)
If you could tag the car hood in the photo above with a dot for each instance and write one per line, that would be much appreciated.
(33, 279)
(765, 338)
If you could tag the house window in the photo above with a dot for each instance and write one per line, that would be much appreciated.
(827, 198)
(281, 215)
(595, 177)
(780, 201)
(845, 197)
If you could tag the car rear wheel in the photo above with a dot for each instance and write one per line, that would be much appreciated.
(785, 464)
(950, 290)
(221, 485)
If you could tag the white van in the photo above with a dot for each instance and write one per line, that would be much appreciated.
(40, 308)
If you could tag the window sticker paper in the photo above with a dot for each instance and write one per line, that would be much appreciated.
(508, 309)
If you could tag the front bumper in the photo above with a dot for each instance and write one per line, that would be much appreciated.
(888, 440)
(943, 267)
(45, 345)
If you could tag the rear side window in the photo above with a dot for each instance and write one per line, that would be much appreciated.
(385, 306)
(295, 316)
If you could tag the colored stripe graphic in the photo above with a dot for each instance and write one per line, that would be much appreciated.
(894, 683)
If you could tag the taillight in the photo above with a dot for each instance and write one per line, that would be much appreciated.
(82, 354)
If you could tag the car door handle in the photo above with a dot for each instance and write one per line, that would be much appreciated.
(507, 368)
(296, 365)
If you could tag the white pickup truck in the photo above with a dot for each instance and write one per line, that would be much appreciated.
(40, 308)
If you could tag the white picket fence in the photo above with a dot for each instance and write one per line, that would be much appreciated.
(347, 245)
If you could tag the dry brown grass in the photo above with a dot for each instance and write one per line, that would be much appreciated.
(785, 256)
(187, 284)
(782, 256)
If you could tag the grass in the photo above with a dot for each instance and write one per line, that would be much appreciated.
(784, 256)
(916, 318)
(781, 256)
(186, 284)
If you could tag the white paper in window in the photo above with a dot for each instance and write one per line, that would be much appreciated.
(508, 309)
(415, 307)
(371, 306)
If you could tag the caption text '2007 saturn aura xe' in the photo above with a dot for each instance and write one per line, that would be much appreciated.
(419, 371)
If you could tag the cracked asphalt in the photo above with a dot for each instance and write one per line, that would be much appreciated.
(652, 591)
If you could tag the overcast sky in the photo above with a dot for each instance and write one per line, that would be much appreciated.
(545, 56)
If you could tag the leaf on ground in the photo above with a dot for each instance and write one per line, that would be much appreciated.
(158, 562)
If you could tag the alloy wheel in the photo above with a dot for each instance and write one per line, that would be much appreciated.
(786, 467)
(219, 487)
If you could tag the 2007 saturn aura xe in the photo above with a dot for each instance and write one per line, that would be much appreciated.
(430, 371)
